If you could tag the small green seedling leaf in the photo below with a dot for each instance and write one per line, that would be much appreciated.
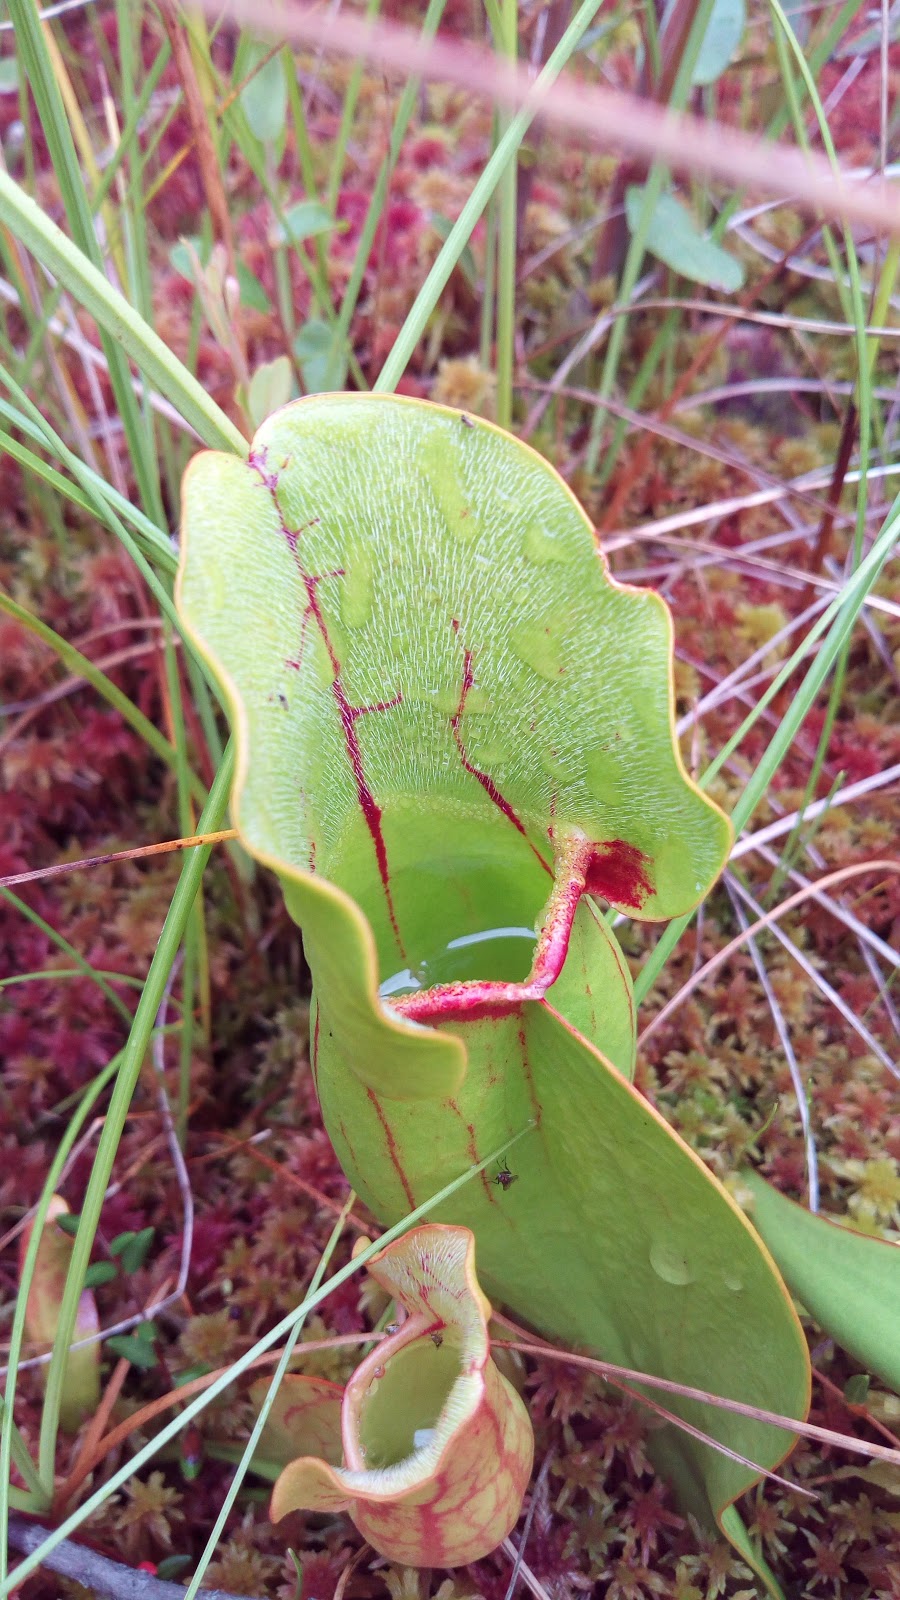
(676, 241)
(132, 1248)
(68, 1224)
(171, 1566)
(322, 355)
(270, 387)
(184, 255)
(304, 220)
(263, 99)
(848, 1281)
(98, 1273)
(81, 1383)
(252, 293)
(856, 1389)
(137, 1347)
(724, 32)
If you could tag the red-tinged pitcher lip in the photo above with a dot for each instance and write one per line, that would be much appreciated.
(581, 867)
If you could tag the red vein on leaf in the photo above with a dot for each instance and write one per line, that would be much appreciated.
(349, 714)
(484, 778)
(391, 1144)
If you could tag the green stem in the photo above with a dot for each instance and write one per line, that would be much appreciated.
(132, 1059)
(461, 232)
(82, 667)
(37, 63)
(8, 1446)
(837, 623)
(634, 259)
(49, 245)
(63, 944)
(507, 45)
(256, 1431)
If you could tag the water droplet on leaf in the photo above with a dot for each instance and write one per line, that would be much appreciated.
(670, 1263)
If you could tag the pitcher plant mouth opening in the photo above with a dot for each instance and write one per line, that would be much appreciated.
(398, 1408)
(467, 980)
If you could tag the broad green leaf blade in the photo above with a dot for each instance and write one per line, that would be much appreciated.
(322, 352)
(848, 1281)
(270, 388)
(263, 99)
(724, 32)
(677, 242)
(427, 637)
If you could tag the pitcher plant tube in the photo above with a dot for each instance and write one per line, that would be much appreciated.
(455, 742)
(437, 1444)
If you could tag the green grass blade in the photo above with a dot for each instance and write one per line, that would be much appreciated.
(131, 1062)
(838, 620)
(68, 949)
(49, 245)
(36, 61)
(461, 232)
(98, 495)
(8, 1448)
(247, 1454)
(81, 666)
(507, 44)
(243, 1363)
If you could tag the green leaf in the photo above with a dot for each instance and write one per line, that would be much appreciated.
(171, 1566)
(270, 387)
(677, 242)
(125, 327)
(132, 1347)
(304, 220)
(724, 32)
(322, 354)
(99, 1272)
(132, 1248)
(455, 735)
(182, 254)
(264, 99)
(848, 1281)
(856, 1389)
(443, 226)
(253, 295)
